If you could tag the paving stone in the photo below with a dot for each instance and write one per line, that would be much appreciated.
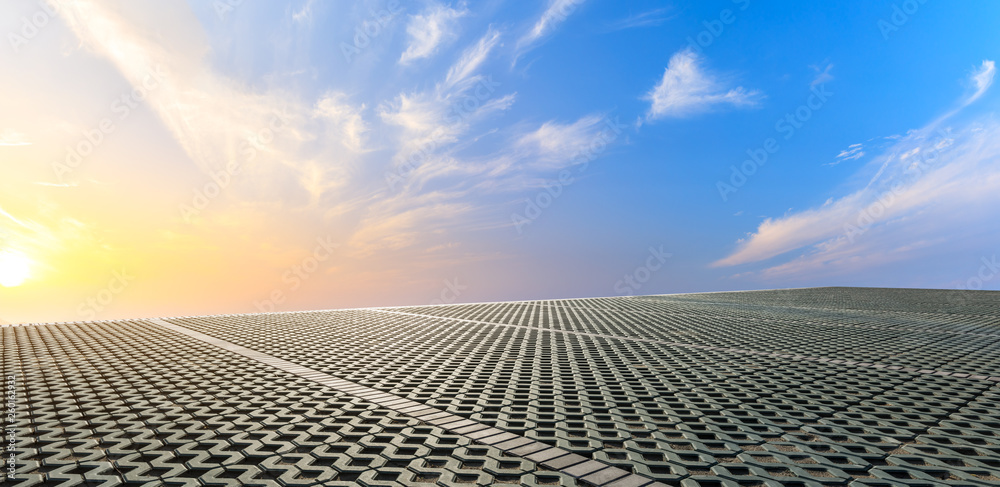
(494, 439)
(547, 454)
(512, 444)
(564, 461)
(605, 476)
(584, 469)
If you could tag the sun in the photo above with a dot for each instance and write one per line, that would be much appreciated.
(15, 268)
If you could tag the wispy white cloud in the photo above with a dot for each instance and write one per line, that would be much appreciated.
(304, 14)
(429, 30)
(686, 88)
(982, 79)
(430, 117)
(401, 221)
(42, 232)
(13, 219)
(407, 217)
(556, 12)
(439, 184)
(471, 59)
(430, 130)
(271, 134)
(930, 182)
(852, 152)
(650, 18)
(10, 138)
(553, 144)
(345, 120)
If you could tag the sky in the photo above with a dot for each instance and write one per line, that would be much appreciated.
(228, 156)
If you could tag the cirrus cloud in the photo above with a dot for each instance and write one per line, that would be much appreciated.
(686, 88)
(429, 30)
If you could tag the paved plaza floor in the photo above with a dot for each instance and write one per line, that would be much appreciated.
(809, 387)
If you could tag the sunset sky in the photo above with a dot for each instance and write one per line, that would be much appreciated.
(224, 156)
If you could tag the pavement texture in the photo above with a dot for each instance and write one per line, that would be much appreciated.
(800, 387)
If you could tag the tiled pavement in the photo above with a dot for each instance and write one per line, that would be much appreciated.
(829, 386)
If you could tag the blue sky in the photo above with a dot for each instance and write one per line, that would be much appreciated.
(410, 152)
